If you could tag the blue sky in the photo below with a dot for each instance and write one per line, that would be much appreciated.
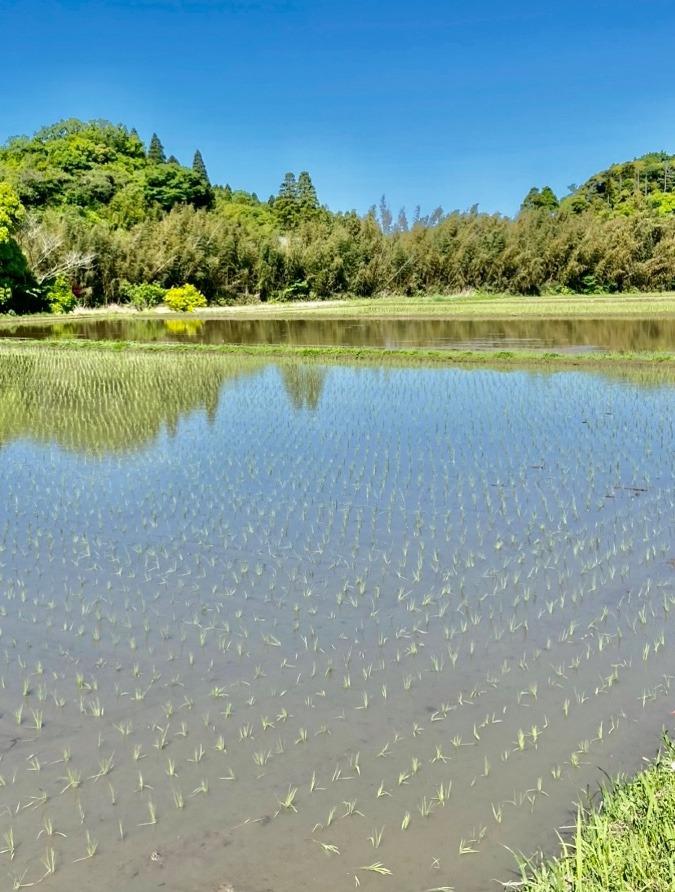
(431, 103)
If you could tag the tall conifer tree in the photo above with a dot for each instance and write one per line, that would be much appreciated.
(199, 167)
(306, 195)
(156, 151)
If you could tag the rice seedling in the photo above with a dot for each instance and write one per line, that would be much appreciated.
(49, 862)
(197, 755)
(351, 809)
(376, 837)
(425, 807)
(90, 847)
(142, 784)
(10, 846)
(288, 802)
(378, 867)
(442, 794)
(381, 791)
(246, 732)
(73, 780)
(125, 728)
(438, 756)
(105, 766)
(328, 848)
(48, 828)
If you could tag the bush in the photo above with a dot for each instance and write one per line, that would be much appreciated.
(143, 296)
(60, 296)
(295, 291)
(184, 299)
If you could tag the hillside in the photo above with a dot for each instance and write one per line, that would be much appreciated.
(646, 183)
(102, 167)
(89, 214)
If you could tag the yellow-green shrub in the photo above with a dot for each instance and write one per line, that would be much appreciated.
(184, 299)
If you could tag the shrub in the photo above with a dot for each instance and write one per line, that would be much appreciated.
(60, 296)
(295, 291)
(144, 295)
(184, 299)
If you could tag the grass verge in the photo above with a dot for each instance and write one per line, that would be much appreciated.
(625, 844)
(377, 355)
(433, 306)
(470, 307)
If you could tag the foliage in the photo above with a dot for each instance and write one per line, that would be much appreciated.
(102, 212)
(60, 296)
(100, 167)
(167, 185)
(296, 201)
(17, 285)
(623, 189)
(546, 198)
(156, 153)
(297, 290)
(626, 845)
(11, 211)
(143, 296)
(184, 299)
(200, 168)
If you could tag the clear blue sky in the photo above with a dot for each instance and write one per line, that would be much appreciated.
(436, 103)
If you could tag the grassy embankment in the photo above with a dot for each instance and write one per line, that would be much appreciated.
(624, 844)
(474, 306)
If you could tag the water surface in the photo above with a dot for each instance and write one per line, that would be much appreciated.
(270, 625)
(393, 334)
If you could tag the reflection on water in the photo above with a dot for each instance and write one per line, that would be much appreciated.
(274, 647)
(109, 402)
(394, 334)
(303, 383)
(188, 328)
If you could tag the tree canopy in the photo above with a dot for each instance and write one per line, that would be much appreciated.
(84, 205)
(100, 167)
(624, 189)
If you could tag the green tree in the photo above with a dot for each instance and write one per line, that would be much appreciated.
(308, 203)
(167, 185)
(286, 204)
(11, 211)
(200, 168)
(546, 198)
(17, 286)
(156, 151)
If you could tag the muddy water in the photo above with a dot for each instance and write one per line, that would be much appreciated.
(393, 334)
(269, 626)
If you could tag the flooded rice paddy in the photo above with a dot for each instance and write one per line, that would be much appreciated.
(285, 627)
(585, 335)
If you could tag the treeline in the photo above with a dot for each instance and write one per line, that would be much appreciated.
(89, 212)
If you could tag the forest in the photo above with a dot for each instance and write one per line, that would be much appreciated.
(89, 215)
